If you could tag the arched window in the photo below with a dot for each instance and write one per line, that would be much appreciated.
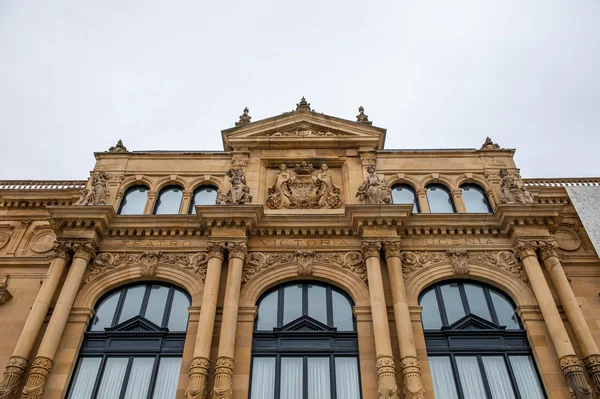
(476, 345)
(134, 201)
(404, 194)
(305, 345)
(475, 199)
(439, 199)
(204, 195)
(169, 201)
(134, 344)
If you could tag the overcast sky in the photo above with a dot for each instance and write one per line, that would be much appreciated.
(75, 75)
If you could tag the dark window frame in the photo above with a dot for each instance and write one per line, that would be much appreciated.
(439, 186)
(127, 192)
(161, 192)
(478, 188)
(412, 190)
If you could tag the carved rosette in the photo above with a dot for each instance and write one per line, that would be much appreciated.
(196, 388)
(592, 365)
(15, 369)
(216, 249)
(573, 370)
(40, 368)
(63, 250)
(386, 376)
(459, 259)
(223, 378)
(548, 249)
(371, 249)
(525, 248)
(411, 376)
(391, 249)
(237, 249)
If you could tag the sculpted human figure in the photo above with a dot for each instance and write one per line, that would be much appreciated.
(327, 192)
(280, 192)
(512, 191)
(374, 190)
(239, 193)
(97, 193)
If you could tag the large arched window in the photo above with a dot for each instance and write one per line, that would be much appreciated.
(475, 199)
(476, 345)
(305, 345)
(133, 346)
(439, 199)
(404, 194)
(169, 201)
(204, 195)
(134, 201)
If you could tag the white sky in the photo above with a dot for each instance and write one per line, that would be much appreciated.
(75, 75)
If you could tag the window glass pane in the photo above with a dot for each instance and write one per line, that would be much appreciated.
(431, 311)
(505, 311)
(133, 302)
(317, 303)
(85, 378)
(475, 200)
(319, 383)
(497, 376)
(156, 304)
(139, 378)
(477, 302)
(169, 201)
(443, 378)
(112, 378)
(179, 312)
(346, 378)
(470, 377)
(134, 201)
(402, 194)
(206, 195)
(263, 378)
(291, 378)
(292, 303)
(267, 312)
(452, 302)
(167, 378)
(342, 312)
(527, 379)
(439, 200)
(105, 312)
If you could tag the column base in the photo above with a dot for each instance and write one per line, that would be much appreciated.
(592, 365)
(223, 378)
(411, 376)
(573, 370)
(386, 376)
(40, 368)
(196, 388)
(15, 369)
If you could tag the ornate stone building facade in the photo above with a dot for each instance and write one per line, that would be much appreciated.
(302, 261)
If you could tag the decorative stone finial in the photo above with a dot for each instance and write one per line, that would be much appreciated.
(303, 105)
(119, 147)
(361, 117)
(489, 145)
(244, 118)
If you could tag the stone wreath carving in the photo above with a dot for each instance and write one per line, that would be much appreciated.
(374, 190)
(239, 193)
(96, 193)
(512, 189)
(505, 260)
(148, 262)
(302, 189)
(257, 262)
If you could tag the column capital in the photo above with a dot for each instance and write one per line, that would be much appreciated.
(216, 249)
(237, 249)
(548, 249)
(525, 248)
(392, 248)
(457, 192)
(84, 250)
(371, 249)
(63, 249)
(421, 191)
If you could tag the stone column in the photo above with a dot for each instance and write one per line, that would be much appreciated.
(571, 365)
(151, 202)
(224, 369)
(20, 358)
(409, 365)
(196, 388)
(457, 198)
(589, 349)
(386, 370)
(40, 368)
(186, 200)
(423, 203)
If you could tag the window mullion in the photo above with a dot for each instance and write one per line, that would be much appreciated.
(145, 300)
(456, 376)
(305, 377)
(99, 377)
(119, 308)
(304, 299)
(277, 376)
(126, 377)
(442, 308)
(168, 307)
(280, 301)
(332, 381)
(511, 375)
(329, 300)
(486, 384)
(488, 299)
(463, 298)
(153, 377)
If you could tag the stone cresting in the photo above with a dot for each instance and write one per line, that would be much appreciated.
(223, 378)
(96, 193)
(257, 262)
(374, 191)
(40, 368)
(15, 369)
(512, 190)
(505, 260)
(302, 189)
(411, 375)
(148, 261)
(196, 388)
(239, 193)
(573, 371)
(386, 372)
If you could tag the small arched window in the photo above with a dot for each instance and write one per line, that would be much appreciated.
(405, 194)
(134, 344)
(439, 199)
(475, 199)
(134, 201)
(169, 201)
(204, 195)
(476, 344)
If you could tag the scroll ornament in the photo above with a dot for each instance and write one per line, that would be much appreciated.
(239, 193)
(96, 193)
(512, 190)
(373, 190)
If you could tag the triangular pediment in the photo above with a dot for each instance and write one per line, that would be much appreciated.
(304, 129)
(473, 322)
(136, 324)
(305, 324)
